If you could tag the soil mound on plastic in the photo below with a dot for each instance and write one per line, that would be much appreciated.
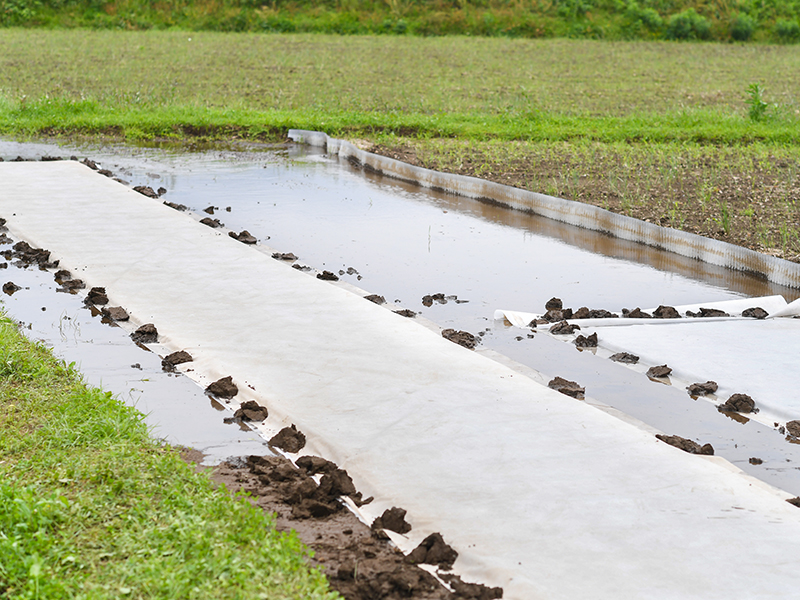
(625, 357)
(96, 296)
(567, 387)
(666, 312)
(686, 445)
(176, 358)
(393, 519)
(223, 388)
(702, 389)
(289, 439)
(659, 371)
(327, 276)
(462, 338)
(251, 411)
(146, 334)
(739, 403)
(115, 313)
(405, 313)
(636, 313)
(755, 313)
(243, 236)
(358, 562)
(586, 341)
(563, 328)
(376, 299)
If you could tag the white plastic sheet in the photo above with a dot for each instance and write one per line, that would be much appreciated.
(540, 493)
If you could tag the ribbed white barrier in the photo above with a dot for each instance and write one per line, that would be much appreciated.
(714, 252)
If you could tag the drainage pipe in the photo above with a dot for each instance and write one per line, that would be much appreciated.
(687, 244)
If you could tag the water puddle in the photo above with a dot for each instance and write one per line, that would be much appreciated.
(403, 243)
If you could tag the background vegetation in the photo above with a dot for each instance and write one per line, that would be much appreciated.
(729, 20)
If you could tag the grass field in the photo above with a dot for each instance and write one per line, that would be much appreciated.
(92, 507)
(657, 130)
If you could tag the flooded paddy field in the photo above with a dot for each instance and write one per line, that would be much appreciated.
(404, 244)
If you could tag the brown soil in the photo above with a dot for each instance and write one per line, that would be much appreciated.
(462, 338)
(739, 403)
(146, 334)
(702, 389)
(686, 445)
(176, 358)
(625, 357)
(567, 387)
(223, 388)
(289, 439)
(243, 236)
(751, 205)
(659, 371)
(375, 298)
(359, 562)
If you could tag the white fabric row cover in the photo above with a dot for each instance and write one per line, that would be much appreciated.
(541, 494)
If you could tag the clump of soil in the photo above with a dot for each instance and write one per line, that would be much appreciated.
(659, 371)
(169, 362)
(433, 551)
(702, 389)
(10, 287)
(554, 315)
(553, 304)
(707, 312)
(794, 501)
(393, 519)
(180, 207)
(146, 334)
(115, 313)
(563, 328)
(243, 236)
(209, 210)
(636, 313)
(359, 564)
(71, 286)
(251, 411)
(586, 341)
(283, 256)
(289, 439)
(146, 190)
(405, 313)
(96, 296)
(28, 255)
(584, 313)
(327, 276)
(739, 403)
(429, 299)
(666, 312)
(625, 357)
(755, 461)
(567, 387)
(686, 445)
(375, 298)
(755, 313)
(462, 338)
(304, 268)
(90, 163)
(213, 223)
(223, 388)
(793, 428)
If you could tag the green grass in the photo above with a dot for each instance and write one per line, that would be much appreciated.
(742, 21)
(169, 83)
(92, 507)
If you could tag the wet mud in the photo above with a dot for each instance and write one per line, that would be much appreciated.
(213, 223)
(223, 388)
(686, 445)
(563, 328)
(170, 361)
(666, 312)
(586, 341)
(376, 299)
(702, 389)
(462, 338)
(327, 276)
(755, 313)
(251, 411)
(636, 313)
(659, 371)
(289, 439)
(358, 560)
(625, 357)
(283, 256)
(10, 288)
(146, 334)
(410, 314)
(97, 296)
(707, 312)
(115, 313)
(393, 519)
(741, 403)
(567, 387)
(244, 237)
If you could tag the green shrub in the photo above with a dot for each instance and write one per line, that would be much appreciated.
(638, 21)
(786, 31)
(742, 27)
(756, 107)
(688, 25)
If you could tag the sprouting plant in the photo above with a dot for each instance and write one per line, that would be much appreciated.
(676, 216)
(757, 108)
(724, 219)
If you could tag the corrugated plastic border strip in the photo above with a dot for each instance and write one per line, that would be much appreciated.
(691, 245)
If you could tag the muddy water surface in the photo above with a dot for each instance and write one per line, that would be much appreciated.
(404, 243)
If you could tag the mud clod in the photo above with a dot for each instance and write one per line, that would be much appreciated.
(433, 551)
(176, 358)
(145, 190)
(289, 439)
(284, 256)
(707, 312)
(755, 313)
(393, 519)
(686, 445)
(567, 387)
(72, 286)
(209, 210)
(243, 236)
(554, 304)
(327, 276)
(28, 255)
(659, 371)
(180, 207)
(625, 357)
(584, 313)
(471, 591)
(429, 299)
(146, 334)
(793, 428)
(636, 313)
(223, 388)
(739, 403)
(213, 223)
(96, 296)
(375, 298)
(251, 411)
(702, 389)
(586, 341)
(794, 501)
(563, 328)
(755, 461)
(666, 312)
(462, 338)
(10, 287)
(90, 163)
(405, 313)
(115, 313)
(161, 191)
